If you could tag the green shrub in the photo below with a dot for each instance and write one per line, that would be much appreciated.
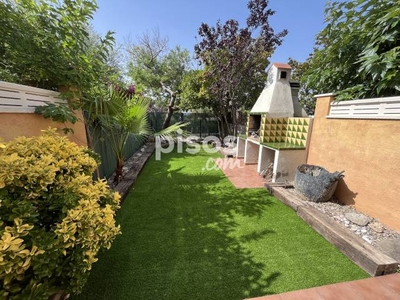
(54, 218)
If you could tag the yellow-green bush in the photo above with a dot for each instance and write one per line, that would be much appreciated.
(53, 217)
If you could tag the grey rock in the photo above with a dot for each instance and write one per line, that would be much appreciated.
(391, 247)
(365, 238)
(358, 219)
(353, 228)
(376, 227)
(316, 183)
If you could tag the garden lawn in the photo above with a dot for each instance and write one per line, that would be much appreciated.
(188, 233)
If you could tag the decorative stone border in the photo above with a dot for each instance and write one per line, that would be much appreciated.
(373, 261)
(132, 168)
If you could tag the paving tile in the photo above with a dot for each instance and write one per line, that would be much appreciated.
(392, 282)
(309, 294)
(241, 175)
(376, 288)
(371, 286)
(331, 292)
(345, 291)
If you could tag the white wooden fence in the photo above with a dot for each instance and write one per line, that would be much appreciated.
(378, 108)
(17, 98)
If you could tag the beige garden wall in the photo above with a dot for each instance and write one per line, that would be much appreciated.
(17, 112)
(369, 152)
(29, 124)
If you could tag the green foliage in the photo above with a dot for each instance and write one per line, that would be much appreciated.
(94, 99)
(46, 44)
(156, 68)
(306, 96)
(358, 51)
(234, 60)
(53, 217)
(168, 69)
(58, 113)
(51, 45)
(194, 93)
(119, 117)
(125, 117)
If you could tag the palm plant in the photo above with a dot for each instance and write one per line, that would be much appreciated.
(125, 117)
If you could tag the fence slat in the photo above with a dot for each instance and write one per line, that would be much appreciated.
(36, 97)
(369, 107)
(17, 98)
(392, 111)
(11, 102)
(392, 105)
(10, 94)
(379, 108)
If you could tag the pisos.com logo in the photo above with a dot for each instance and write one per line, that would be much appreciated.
(193, 147)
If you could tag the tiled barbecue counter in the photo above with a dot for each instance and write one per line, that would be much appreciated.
(277, 145)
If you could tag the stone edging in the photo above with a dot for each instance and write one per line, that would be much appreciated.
(132, 168)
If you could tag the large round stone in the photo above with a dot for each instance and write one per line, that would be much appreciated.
(315, 183)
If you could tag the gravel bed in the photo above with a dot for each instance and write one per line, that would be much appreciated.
(372, 232)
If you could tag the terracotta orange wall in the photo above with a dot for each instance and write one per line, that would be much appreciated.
(369, 152)
(29, 124)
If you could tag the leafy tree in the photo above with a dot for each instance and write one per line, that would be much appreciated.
(48, 44)
(194, 92)
(45, 44)
(234, 61)
(158, 69)
(357, 53)
(112, 69)
(306, 95)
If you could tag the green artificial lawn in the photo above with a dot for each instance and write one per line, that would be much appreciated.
(188, 233)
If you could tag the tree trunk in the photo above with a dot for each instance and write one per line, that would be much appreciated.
(224, 127)
(118, 171)
(170, 112)
(234, 121)
(171, 106)
(219, 128)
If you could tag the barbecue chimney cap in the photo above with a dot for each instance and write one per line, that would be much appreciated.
(282, 66)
